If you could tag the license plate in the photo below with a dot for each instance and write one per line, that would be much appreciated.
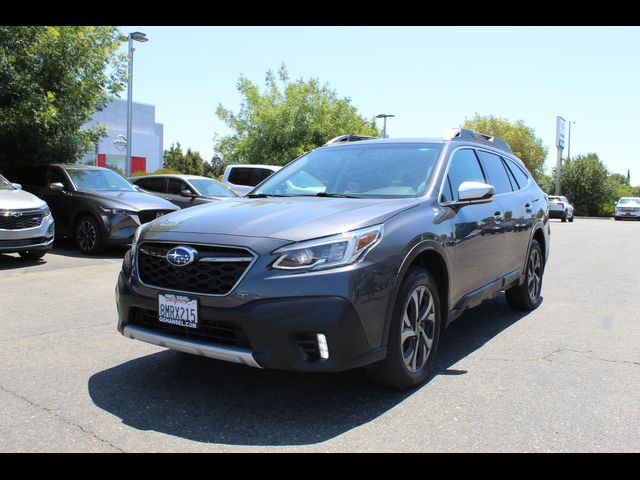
(178, 310)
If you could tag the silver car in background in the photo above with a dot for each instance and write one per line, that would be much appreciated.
(560, 207)
(26, 223)
(627, 207)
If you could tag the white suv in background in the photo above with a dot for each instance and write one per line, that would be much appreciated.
(242, 178)
(627, 207)
(560, 207)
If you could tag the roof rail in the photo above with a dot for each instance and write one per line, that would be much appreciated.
(466, 134)
(348, 138)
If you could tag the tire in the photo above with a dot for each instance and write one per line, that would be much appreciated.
(564, 217)
(33, 254)
(527, 296)
(88, 236)
(414, 334)
(616, 218)
(571, 218)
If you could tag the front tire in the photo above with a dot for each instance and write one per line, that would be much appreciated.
(414, 334)
(527, 296)
(89, 236)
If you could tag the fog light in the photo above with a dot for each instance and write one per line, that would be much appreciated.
(322, 346)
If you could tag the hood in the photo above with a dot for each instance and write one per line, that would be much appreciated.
(19, 200)
(293, 218)
(129, 200)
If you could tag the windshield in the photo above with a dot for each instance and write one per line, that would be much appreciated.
(106, 180)
(211, 188)
(624, 201)
(368, 171)
(5, 184)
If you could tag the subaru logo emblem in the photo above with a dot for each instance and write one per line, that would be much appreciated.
(181, 256)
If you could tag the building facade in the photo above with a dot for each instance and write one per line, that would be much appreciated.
(146, 147)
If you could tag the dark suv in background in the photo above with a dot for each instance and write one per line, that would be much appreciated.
(93, 205)
(403, 237)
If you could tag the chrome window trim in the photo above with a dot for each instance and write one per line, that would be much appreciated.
(254, 256)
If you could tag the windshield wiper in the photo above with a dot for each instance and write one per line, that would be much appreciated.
(335, 195)
(263, 195)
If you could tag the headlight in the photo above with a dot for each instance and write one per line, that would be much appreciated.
(45, 211)
(117, 211)
(136, 237)
(328, 252)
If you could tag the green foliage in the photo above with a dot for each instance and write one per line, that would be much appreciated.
(585, 181)
(190, 163)
(167, 171)
(522, 140)
(286, 120)
(52, 79)
(215, 167)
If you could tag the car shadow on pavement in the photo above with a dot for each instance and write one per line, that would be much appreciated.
(216, 402)
(68, 248)
(10, 261)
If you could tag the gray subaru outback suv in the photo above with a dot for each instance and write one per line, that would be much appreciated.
(404, 236)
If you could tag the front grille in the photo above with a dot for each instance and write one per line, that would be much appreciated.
(209, 330)
(149, 215)
(209, 278)
(25, 220)
(629, 209)
(22, 243)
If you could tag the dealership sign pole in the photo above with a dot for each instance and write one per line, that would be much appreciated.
(560, 122)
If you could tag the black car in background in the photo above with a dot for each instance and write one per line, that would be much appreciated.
(93, 205)
(184, 190)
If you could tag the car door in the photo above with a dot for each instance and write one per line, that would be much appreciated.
(478, 232)
(60, 202)
(512, 207)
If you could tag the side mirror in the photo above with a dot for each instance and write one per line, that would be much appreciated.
(475, 192)
(188, 194)
(17, 186)
(56, 187)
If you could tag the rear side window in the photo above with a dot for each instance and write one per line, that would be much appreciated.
(464, 168)
(521, 177)
(496, 173)
(56, 176)
(249, 177)
(174, 186)
(155, 184)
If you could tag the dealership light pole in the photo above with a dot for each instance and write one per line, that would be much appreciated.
(138, 37)
(385, 116)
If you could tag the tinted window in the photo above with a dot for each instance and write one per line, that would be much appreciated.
(248, 176)
(142, 183)
(211, 188)
(155, 184)
(464, 168)
(56, 176)
(175, 186)
(521, 177)
(497, 175)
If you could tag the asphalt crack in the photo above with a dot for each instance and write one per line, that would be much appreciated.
(549, 357)
(58, 417)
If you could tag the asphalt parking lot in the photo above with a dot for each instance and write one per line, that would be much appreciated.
(565, 377)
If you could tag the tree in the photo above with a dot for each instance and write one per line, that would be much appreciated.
(521, 138)
(52, 80)
(190, 163)
(585, 181)
(215, 167)
(286, 120)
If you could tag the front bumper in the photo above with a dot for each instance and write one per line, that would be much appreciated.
(37, 238)
(278, 333)
(627, 214)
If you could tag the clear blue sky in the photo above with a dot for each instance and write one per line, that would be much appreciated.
(431, 78)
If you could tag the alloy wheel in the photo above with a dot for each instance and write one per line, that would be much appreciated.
(87, 235)
(534, 274)
(418, 328)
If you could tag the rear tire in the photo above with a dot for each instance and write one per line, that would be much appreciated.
(564, 217)
(527, 296)
(571, 218)
(414, 334)
(33, 254)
